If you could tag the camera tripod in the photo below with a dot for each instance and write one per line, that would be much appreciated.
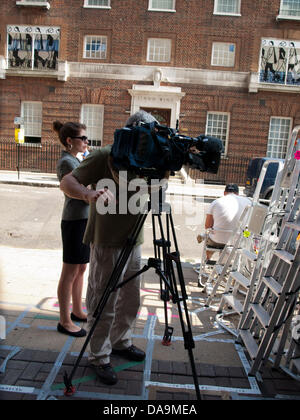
(163, 263)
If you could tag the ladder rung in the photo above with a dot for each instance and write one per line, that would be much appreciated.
(249, 343)
(273, 285)
(249, 255)
(233, 302)
(292, 225)
(261, 314)
(284, 255)
(240, 279)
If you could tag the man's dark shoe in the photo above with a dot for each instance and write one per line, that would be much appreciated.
(105, 373)
(131, 353)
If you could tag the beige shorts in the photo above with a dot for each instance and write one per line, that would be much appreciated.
(214, 244)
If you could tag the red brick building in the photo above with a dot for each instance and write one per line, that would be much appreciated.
(224, 67)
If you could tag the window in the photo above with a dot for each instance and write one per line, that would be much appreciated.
(227, 7)
(31, 113)
(279, 132)
(97, 3)
(41, 3)
(290, 8)
(280, 62)
(95, 47)
(217, 125)
(92, 117)
(159, 50)
(223, 54)
(33, 47)
(162, 5)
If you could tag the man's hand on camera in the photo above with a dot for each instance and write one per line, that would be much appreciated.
(104, 194)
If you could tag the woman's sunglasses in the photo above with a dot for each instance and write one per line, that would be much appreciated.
(82, 138)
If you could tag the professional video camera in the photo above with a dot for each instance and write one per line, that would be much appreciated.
(153, 149)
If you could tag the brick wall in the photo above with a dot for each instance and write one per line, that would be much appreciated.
(128, 24)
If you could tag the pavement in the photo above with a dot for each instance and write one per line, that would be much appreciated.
(50, 180)
(34, 356)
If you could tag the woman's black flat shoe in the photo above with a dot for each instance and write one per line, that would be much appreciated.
(63, 330)
(77, 319)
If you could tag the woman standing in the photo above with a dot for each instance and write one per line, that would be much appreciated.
(74, 219)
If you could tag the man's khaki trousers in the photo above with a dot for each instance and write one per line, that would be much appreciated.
(114, 328)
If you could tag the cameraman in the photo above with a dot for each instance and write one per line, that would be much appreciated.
(107, 235)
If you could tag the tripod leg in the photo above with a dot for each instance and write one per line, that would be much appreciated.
(171, 258)
(162, 244)
(111, 286)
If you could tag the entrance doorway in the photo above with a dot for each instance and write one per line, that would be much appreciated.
(163, 116)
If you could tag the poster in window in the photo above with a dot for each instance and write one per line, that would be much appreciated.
(280, 62)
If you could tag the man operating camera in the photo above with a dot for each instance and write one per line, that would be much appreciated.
(107, 234)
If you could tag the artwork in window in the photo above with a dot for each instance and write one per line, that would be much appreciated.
(280, 62)
(33, 47)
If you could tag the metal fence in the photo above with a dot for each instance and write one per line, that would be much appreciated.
(29, 157)
(43, 158)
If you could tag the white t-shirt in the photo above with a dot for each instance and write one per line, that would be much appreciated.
(226, 212)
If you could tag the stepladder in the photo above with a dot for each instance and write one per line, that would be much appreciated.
(262, 224)
(266, 324)
(276, 295)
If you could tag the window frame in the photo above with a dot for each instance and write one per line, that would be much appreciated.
(214, 43)
(98, 127)
(225, 142)
(284, 16)
(271, 146)
(148, 50)
(26, 123)
(153, 9)
(216, 12)
(34, 3)
(85, 50)
(91, 6)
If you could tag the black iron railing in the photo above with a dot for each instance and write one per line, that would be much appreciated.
(43, 158)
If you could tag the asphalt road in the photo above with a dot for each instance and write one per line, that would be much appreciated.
(30, 218)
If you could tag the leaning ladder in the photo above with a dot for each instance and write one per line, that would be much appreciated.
(241, 280)
(276, 294)
(278, 287)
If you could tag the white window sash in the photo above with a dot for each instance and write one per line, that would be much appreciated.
(287, 10)
(222, 58)
(218, 12)
(93, 116)
(31, 113)
(159, 50)
(87, 5)
(153, 7)
(279, 132)
(220, 130)
(103, 47)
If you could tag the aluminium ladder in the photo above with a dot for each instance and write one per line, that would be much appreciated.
(276, 294)
(277, 289)
(270, 218)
